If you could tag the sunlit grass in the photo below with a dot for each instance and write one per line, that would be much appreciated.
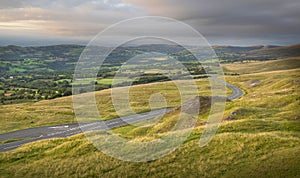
(265, 66)
(261, 138)
(229, 154)
(60, 110)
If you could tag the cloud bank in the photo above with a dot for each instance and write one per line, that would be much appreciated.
(220, 21)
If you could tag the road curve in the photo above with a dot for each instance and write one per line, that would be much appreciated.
(236, 91)
(47, 132)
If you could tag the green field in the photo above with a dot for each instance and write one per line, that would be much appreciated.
(259, 135)
(109, 81)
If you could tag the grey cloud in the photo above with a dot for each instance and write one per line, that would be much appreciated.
(65, 4)
(4, 4)
(231, 17)
(70, 17)
(223, 19)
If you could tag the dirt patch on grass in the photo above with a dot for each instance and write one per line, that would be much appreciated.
(252, 83)
(235, 114)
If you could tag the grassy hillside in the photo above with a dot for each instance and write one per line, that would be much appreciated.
(59, 111)
(274, 52)
(271, 154)
(235, 53)
(262, 66)
(259, 137)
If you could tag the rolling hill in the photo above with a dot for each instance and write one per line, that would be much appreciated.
(274, 52)
(262, 66)
(259, 137)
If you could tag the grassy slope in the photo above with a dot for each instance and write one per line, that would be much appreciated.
(230, 154)
(275, 52)
(59, 111)
(261, 139)
(254, 67)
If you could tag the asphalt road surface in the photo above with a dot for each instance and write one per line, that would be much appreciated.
(47, 132)
(236, 92)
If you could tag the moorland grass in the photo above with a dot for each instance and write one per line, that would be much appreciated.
(262, 66)
(259, 137)
(59, 110)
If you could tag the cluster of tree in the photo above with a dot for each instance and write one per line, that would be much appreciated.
(30, 94)
(25, 75)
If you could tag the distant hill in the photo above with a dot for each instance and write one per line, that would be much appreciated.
(236, 53)
(235, 49)
(274, 52)
(262, 66)
(17, 53)
(64, 57)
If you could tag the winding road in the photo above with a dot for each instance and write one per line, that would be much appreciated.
(236, 91)
(46, 132)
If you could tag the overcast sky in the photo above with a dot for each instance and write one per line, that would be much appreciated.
(221, 22)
